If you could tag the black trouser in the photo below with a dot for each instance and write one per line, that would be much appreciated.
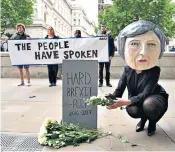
(153, 108)
(107, 67)
(52, 73)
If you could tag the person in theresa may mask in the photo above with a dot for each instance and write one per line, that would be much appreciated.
(141, 44)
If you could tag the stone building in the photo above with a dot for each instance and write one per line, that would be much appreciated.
(59, 14)
(81, 22)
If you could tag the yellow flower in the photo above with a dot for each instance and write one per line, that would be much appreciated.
(42, 134)
(42, 141)
(48, 121)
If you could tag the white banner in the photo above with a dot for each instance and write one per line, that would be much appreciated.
(53, 51)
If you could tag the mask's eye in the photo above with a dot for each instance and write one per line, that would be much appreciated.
(134, 44)
(151, 44)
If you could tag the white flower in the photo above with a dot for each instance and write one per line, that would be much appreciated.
(93, 97)
(50, 144)
(42, 134)
(99, 96)
(103, 98)
(43, 131)
(48, 121)
(109, 133)
(60, 136)
(42, 141)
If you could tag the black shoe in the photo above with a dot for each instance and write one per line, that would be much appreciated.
(151, 128)
(54, 84)
(51, 85)
(100, 85)
(108, 85)
(21, 84)
(140, 126)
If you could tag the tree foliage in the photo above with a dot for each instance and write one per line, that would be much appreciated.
(122, 13)
(16, 11)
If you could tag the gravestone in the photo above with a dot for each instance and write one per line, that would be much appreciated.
(80, 81)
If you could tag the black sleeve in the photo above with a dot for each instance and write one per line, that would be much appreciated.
(121, 85)
(153, 78)
(112, 46)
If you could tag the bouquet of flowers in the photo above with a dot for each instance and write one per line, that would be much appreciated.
(103, 101)
(62, 134)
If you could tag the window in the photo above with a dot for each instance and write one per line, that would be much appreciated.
(55, 24)
(100, 1)
(67, 31)
(61, 10)
(58, 5)
(59, 26)
(67, 15)
(62, 27)
(36, 13)
(79, 22)
(45, 13)
(74, 21)
(54, 2)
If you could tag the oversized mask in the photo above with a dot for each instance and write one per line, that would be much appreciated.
(140, 44)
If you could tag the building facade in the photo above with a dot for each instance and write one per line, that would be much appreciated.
(103, 3)
(81, 22)
(59, 14)
(55, 13)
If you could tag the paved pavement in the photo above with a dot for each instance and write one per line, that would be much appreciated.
(22, 114)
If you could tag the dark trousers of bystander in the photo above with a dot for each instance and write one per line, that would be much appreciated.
(107, 68)
(52, 73)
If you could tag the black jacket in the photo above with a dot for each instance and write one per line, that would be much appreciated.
(18, 36)
(146, 86)
(111, 46)
(55, 37)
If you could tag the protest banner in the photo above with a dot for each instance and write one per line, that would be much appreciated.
(54, 51)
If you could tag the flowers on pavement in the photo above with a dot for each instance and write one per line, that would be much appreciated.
(62, 134)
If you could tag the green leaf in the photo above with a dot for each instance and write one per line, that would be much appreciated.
(133, 145)
(124, 140)
(122, 13)
(16, 11)
(119, 136)
(61, 122)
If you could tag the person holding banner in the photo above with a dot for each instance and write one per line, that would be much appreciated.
(141, 44)
(107, 64)
(77, 34)
(52, 68)
(21, 35)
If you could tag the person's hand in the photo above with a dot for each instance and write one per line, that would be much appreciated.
(110, 58)
(119, 103)
(27, 38)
